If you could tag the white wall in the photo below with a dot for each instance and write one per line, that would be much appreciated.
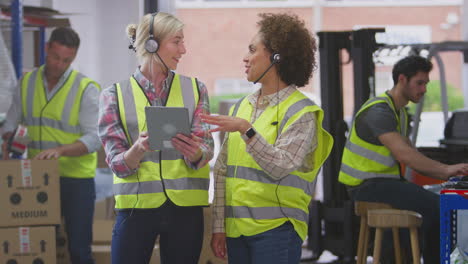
(103, 55)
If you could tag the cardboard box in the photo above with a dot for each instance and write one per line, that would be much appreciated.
(102, 232)
(101, 254)
(101, 248)
(29, 193)
(23, 245)
(61, 240)
(104, 209)
(102, 235)
(102, 238)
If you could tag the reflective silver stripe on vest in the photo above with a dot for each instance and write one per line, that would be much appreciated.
(132, 118)
(260, 213)
(30, 95)
(293, 109)
(130, 110)
(366, 175)
(62, 124)
(376, 99)
(152, 156)
(388, 161)
(156, 186)
(260, 176)
(137, 188)
(66, 114)
(187, 184)
(236, 106)
(403, 122)
(187, 93)
(171, 155)
(44, 121)
(166, 155)
(402, 116)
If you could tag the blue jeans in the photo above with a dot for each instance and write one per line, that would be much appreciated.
(77, 198)
(180, 231)
(281, 245)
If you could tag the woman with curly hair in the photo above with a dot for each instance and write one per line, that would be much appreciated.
(266, 170)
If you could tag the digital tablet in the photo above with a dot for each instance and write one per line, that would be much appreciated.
(164, 123)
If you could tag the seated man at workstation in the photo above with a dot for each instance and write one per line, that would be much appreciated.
(378, 143)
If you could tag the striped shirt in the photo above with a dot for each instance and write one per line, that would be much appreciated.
(112, 134)
(291, 151)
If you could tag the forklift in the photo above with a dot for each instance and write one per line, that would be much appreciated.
(332, 223)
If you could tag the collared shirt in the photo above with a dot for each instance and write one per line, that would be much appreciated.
(113, 136)
(290, 152)
(87, 116)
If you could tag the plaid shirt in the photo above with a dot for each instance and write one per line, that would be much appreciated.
(290, 152)
(113, 137)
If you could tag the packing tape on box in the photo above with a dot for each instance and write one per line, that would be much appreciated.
(25, 244)
(26, 173)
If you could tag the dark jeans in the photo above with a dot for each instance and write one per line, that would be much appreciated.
(281, 245)
(77, 199)
(407, 196)
(180, 231)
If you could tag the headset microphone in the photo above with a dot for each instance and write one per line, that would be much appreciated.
(151, 44)
(274, 58)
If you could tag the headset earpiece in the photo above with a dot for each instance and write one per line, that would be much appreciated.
(275, 58)
(151, 45)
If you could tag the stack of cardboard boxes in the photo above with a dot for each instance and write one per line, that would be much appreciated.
(102, 233)
(30, 211)
(31, 230)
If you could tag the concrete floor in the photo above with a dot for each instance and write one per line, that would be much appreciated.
(325, 258)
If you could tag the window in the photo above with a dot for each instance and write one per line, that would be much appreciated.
(244, 3)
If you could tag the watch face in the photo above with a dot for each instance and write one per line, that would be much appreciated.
(250, 132)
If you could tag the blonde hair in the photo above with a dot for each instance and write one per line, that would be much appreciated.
(164, 25)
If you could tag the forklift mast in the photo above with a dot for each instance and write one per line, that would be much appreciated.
(332, 224)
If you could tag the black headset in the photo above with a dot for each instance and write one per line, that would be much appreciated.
(274, 59)
(151, 44)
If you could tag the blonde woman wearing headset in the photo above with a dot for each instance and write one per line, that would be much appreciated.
(157, 193)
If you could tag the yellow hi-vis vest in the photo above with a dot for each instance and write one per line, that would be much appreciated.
(148, 188)
(256, 203)
(56, 122)
(362, 160)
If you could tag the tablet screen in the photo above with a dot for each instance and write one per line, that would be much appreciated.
(164, 123)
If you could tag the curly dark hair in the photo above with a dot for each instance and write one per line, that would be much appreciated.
(410, 66)
(287, 35)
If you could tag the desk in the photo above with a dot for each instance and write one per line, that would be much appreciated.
(451, 200)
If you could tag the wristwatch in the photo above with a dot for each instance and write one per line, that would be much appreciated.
(250, 133)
